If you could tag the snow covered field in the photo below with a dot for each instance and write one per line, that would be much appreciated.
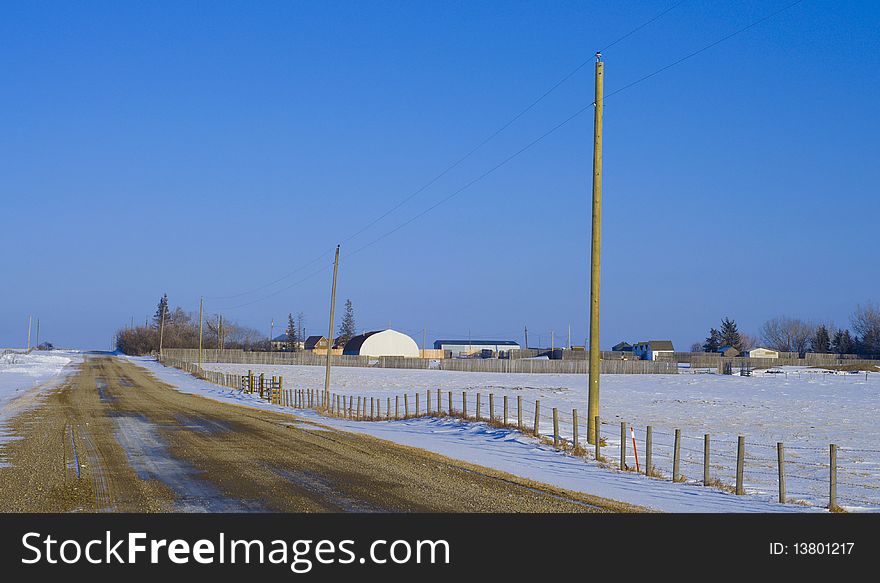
(21, 374)
(807, 409)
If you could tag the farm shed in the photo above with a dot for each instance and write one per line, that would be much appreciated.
(728, 351)
(468, 347)
(763, 353)
(382, 343)
(650, 349)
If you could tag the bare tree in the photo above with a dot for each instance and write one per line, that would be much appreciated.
(748, 341)
(865, 321)
(787, 334)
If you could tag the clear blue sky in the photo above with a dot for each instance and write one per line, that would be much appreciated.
(208, 148)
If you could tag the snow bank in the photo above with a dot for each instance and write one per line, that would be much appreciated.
(501, 449)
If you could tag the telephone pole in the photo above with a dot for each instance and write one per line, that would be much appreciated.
(595, 248)
(527, 337)
(201, 302)
(162, 329)
(330, 327)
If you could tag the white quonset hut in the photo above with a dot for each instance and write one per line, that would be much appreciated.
(382, 343)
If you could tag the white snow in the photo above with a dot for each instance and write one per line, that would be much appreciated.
(20, 372)
(656, 397)
(23, 379)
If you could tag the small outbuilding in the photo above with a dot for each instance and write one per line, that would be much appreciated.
(650, 349)
(382, 343)
(763, 353)
(728, 351)
(316, 342)
(622, 347)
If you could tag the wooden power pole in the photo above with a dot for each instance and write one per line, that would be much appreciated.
(595, 253)
(162, 329)
(527, 337)
(330, 327)
(201, 302)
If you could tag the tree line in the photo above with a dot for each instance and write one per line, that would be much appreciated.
(786, 334)
(180, 329)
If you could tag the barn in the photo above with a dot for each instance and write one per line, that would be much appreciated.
(382, 343)
(763, 353)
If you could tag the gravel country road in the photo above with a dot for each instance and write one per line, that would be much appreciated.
(112, 438)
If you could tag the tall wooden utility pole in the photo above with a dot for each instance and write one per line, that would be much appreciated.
(271, 333)
(30, 323)
(219, 332)
(162, 329)
(595, 252)
(330, 327)
(201, 302)
(527, 337)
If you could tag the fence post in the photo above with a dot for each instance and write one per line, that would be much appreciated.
(832, 475)
(780, 459)
(378, 408)
(537, 416)
(388, 409)
(439, 403)
(464, 404)
(623, 445)
(574, 426)
(479, 412)
(740, 462)
(555, 428)
(397, 406)
(649, 450)
(417, 404)
(505, 410)
(372, 408)
(676, 456)
(359, 409)
(262, 383)
(491, 407)
(405, 406)
(428, 401)
(519, 424)
(706, 459)
(450, 402)
(596, 436)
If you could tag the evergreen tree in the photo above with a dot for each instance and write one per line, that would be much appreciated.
(729, 335)
(161, 309)
(843, 343)
(292, 334)
(347, 329)
(713, 341)
(821, 341)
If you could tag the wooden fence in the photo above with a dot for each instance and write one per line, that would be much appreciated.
(534, 366)
(568, 432)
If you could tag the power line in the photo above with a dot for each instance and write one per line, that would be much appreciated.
(570, 118)
(460, 160)
(527, 146)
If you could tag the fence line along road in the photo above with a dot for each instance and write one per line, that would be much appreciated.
(799, 474)
(536, 366)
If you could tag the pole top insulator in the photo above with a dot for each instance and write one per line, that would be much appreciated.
(598, 55)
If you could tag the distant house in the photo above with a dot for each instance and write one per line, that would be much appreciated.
(280, 342)
(316, 342)
(469, 347)
(382, 343)
(622, 347)
(728, 351)
(650, 349)
(763, 353)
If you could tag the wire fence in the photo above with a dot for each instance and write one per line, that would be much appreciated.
(823, 475)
